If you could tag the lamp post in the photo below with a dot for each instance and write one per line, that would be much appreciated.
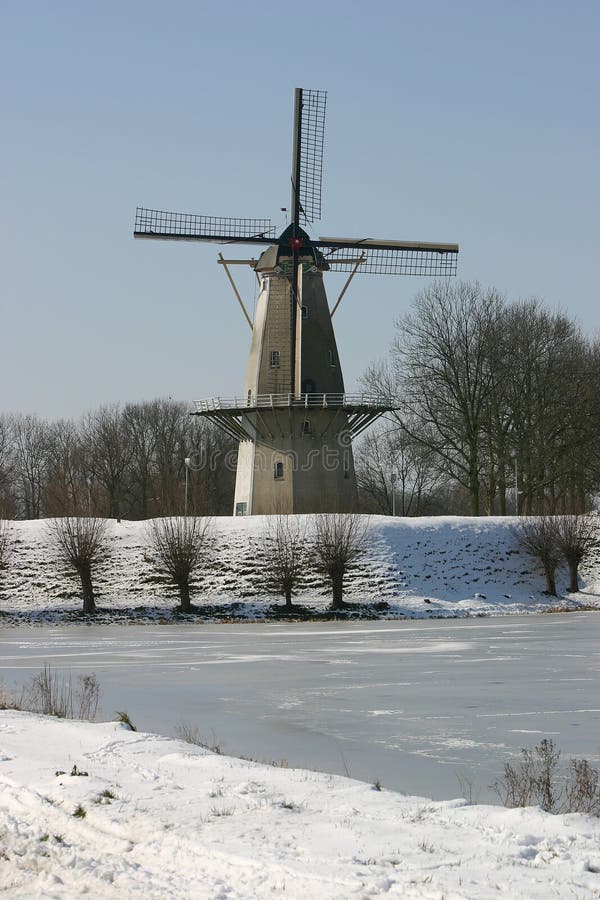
(393, 478)
(515, 456)
(187, 462)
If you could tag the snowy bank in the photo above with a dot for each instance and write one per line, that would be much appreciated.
(421, 567)
(162, 818)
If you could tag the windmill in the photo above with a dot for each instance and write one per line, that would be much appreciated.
(294, 422)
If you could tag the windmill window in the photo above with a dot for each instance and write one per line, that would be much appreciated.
(306, 427)
(331, 359)
(305, 312)
(275, 359)
(278, 471)
(309, 387)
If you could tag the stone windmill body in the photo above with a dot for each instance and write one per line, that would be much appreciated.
(294, 421)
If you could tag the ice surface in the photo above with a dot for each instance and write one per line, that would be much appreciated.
(415, 704)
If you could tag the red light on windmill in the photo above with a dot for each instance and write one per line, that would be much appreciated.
(296, 243)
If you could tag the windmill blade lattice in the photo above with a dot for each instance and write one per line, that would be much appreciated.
(157, 224)
(390, 257)
(311, 154)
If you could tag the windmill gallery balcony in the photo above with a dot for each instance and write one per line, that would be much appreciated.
(246, 418)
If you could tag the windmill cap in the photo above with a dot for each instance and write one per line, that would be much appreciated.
(272, 256)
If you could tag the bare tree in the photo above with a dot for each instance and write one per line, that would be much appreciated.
(577, 535)
(30, 443)
(138, 425)
(179, 546)
(441, 366)
(539, 536)
(81, 543)
(544, 374)
(339, 541)
(284, 554)
(109, 454)
(5, 544)
(389, 450)
(65, 490)
(169, 421)
(7, 491)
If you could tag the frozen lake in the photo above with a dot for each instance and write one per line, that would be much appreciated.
(415, 704)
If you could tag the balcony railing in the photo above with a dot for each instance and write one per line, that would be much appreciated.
(279, 401)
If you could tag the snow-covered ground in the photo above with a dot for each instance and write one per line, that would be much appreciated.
(162, 818)
(421, 567)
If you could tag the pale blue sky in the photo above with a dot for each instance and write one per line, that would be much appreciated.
(474, 122)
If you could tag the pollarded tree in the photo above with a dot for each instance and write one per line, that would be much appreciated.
(539, 537)
(339, 541)
(577, 535)
(179, 547)
(284, 553)
(81, 543)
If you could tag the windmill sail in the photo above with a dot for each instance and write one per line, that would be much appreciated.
(312, 136)
(382, 257)
(171, 226)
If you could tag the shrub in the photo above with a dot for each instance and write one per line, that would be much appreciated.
(535, 780)
(123, 717)
(52, 694)
(191, 735)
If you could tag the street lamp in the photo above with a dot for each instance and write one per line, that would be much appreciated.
(393, 478)
(514, 453)
(187, 462)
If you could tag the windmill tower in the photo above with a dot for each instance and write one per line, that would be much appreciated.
(294, 421)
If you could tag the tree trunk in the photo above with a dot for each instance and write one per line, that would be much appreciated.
(573, 576)
(474, 486)
(89, 604)
(338, 592)
(474, 494)
(550, 582)
(184, 597)
(288, 598)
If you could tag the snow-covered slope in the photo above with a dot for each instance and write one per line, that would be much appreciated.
(443, 566)
(162, 819)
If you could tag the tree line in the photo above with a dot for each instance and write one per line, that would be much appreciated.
(119, 461)
(489, 393)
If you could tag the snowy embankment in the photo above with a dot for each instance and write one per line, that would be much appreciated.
(161, 818)
(422, 567)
